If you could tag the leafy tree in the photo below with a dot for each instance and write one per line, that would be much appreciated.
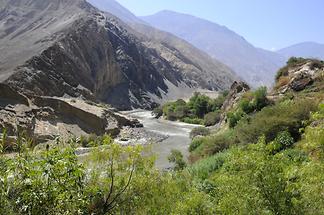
(198, 104)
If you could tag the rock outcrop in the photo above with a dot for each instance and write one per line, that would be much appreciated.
(45, 118)
(235, 94)
(301, 75)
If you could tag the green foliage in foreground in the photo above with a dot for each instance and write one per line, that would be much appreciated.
(111, 180)
(254, 179)
(245, 179)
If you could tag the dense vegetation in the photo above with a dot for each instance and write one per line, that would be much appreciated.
(251, 102)
(199, 110)
(270, 161)
(281, 176)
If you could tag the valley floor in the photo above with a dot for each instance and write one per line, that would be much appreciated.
(172, 135)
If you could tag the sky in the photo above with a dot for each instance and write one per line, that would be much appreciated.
(268, 24)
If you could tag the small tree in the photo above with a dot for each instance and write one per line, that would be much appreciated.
(176, 157)
(260, 98)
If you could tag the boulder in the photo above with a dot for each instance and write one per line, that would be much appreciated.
(301, 81)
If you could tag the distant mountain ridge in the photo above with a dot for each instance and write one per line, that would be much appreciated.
(68, 48)
(305, 49)
(113, 7)
(256, 66)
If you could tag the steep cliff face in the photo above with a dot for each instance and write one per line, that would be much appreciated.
(71, 49)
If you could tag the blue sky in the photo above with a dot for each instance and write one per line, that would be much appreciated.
(269, 24)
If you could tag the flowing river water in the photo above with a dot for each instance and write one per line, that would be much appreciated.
(177, 135)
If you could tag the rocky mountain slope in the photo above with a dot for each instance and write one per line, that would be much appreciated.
(46, 118)
(69, 48)
(306, 50)
(254, 65)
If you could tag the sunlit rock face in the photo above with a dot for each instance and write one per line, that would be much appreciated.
(71, 49)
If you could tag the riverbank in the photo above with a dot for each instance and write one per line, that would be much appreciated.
(162, 135)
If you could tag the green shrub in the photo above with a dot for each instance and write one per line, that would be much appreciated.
(202, 169)
(199, 104)
(212, 118)
(195, 121)
(216, 144)
(216, 104)
(246, 106)
(175, 110)
(260, 98)
(195, 143)
(282, 141)
(270, 121)
(210, 145)
(199, 131)
(176, 157)
(234, 117)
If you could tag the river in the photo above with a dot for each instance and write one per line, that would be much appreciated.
(177, 136)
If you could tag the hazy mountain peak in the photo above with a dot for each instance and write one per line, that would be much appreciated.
(308, 49)
(113, 7)
(255, 65)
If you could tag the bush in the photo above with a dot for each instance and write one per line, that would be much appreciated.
(234, 117)
(199, 131)
(282, 141)
(199, 105)
(216, 104)
(246, 106)
(270, 121)
(210, 145)
(175, 110)
(195, 143)
(195, 121)
(176, 157)
(260, 98)
(212, 118)
(204, 168)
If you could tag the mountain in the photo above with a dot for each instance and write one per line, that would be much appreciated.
(306, 49)
(255, 65)
(68, 48)
(163, 39)
(113, 7)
